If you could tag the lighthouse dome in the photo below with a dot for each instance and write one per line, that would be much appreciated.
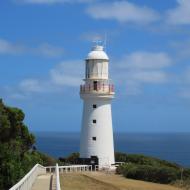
(97, 52)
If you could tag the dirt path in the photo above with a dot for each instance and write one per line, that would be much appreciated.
(43, 182)
(102, 181)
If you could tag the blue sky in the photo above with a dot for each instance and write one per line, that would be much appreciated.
(43, 44)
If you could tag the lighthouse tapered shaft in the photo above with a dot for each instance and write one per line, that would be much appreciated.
(97, 93)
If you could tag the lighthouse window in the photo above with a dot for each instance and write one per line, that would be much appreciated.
(94, 138)
(94, 121)
(95, 85)
(87, 70)
(94, 106)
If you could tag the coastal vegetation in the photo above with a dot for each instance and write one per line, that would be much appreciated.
(17, 151)
(71, 159)
(151, 169)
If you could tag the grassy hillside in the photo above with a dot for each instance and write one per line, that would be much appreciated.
(103, 181)
(151, 169)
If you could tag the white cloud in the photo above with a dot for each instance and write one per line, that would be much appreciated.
(180, 14)
(44, 49)
(31, 85)
(140, 68)
(123, 11)
(67, 73)
(49, 50)
(146, 60)
(51, 2)
(7, 47)
(148, 76)
(132, 72)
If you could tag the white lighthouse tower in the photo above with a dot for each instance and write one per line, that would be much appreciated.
(97, 93)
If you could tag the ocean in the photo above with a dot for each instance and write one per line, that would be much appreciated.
(173, 147)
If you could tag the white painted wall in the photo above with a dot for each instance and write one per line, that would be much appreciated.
(103, 147)
(97, 73)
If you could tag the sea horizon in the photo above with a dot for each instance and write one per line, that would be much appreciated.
(170, 146)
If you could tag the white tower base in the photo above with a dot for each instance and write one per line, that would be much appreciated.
(97, 138)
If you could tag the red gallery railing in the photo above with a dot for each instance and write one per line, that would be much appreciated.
(99, 88)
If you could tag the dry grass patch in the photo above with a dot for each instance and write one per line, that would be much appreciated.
(102, 181)
(78, 181)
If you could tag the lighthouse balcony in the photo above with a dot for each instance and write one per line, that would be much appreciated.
(97, 89)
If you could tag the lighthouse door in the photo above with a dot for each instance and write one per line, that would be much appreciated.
(95, 85)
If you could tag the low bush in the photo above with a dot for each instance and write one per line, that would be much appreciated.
(149, 173)
(150, 169)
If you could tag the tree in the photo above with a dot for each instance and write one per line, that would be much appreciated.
(16, 141)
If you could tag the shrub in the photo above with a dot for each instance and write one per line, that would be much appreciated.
(149, 173)
(149, 169)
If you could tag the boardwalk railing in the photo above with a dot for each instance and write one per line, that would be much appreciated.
(70, 168)
(75, 168)
(58, 187)
(27, 181)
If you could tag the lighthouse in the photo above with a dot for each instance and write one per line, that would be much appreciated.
(97, 93)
